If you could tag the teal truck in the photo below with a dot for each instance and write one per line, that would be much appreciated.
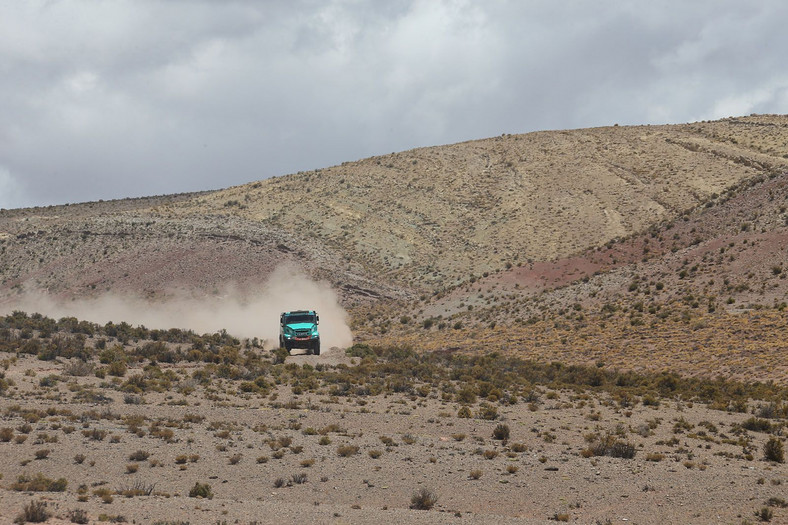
(298, 329)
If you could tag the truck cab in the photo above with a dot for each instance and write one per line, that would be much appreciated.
(298, 329)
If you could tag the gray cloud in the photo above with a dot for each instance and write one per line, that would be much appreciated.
(104, 100)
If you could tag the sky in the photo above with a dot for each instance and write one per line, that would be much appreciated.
(112, 99)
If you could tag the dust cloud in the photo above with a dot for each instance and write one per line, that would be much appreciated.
(244, 314)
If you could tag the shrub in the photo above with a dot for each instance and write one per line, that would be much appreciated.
(609, 445)
(773, 450)
(423, 499)
(39, 483)
(347, 450)
(43, 453)
(139, 455)
(519, 447)
(33, 512)
(487, 411)
(78, 516)
(6, 434)
(475, 474)
(131, 468)
(375, 453)
(777, 502)
(79, 459)
(95, 434)
(117, 369)
(501, 432)
(490, 454)
(765, 514)
(464, 412)
(235, 459)
(201, 490)
(757, 425)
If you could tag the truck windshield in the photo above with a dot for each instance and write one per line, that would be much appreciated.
(301, 318)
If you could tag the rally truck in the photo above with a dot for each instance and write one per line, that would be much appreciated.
(298, 329)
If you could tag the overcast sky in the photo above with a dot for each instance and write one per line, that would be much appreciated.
(112, 99)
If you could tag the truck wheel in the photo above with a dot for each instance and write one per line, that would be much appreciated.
(316, 349)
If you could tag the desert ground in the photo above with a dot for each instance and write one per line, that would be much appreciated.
(351, 436)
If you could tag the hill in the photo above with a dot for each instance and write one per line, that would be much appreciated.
(397, 225)
(586, 235)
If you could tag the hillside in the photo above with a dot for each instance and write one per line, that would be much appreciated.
(584, 234)
(430, 218)
(405, 223)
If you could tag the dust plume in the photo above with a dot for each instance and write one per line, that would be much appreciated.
(246, 314)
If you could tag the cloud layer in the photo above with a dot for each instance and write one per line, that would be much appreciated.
(128, 98)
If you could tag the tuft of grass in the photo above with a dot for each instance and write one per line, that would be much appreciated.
(475, 474)
(409, 439)
(306, 463)
(298, 478)
(131, 468)
(234, 459)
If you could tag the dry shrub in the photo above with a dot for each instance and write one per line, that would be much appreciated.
(773, 450)
(347, 450)
(423, 499)
(33, 512)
